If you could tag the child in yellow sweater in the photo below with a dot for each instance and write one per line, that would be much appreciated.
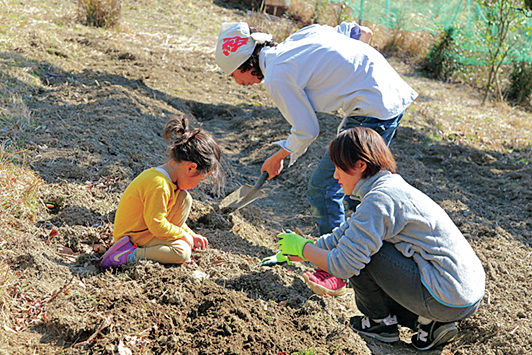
(150, 219)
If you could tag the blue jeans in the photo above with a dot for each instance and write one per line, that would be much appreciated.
(391, 284)
(324, 193)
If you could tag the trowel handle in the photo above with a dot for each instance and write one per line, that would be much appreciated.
(261, 180)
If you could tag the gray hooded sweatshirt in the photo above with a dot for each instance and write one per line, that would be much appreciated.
(394, 211)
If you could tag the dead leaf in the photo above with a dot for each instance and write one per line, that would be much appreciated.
(66, 250)
(98, 248)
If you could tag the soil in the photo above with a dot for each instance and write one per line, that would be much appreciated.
(100, 110)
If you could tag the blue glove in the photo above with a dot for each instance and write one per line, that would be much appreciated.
(275, 259)
(292, 244)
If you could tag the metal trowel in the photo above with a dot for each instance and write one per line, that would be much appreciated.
(243, 195)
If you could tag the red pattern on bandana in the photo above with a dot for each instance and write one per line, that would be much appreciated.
(232, 44)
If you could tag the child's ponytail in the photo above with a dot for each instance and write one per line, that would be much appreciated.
(197, 146)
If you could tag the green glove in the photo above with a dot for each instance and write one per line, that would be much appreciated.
(275, 259)
(292, 244)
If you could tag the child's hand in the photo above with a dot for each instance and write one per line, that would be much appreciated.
(189, 239)
(200, 242)
(275, 259)
(292, 244)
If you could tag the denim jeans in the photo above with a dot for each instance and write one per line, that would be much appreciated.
(324, 193)
(391, 284)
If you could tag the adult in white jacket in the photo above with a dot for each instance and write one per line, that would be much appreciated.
(406, 260)
(317, 69)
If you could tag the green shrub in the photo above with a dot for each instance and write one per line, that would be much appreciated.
(520, 86)
(440, 63)
(99, 13)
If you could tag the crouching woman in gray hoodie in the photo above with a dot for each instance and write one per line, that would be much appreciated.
(406, 260)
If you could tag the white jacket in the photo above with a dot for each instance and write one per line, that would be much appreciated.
(320, 69)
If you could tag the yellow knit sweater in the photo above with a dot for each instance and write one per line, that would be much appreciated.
(144, 207)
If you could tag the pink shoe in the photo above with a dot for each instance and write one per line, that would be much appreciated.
(321, 282)
(117, 254)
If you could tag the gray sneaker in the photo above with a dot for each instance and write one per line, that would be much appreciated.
(385, 331)
(433, 334)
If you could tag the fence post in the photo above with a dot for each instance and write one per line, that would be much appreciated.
(387, 13)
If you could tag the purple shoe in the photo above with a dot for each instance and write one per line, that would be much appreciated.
(117, 254)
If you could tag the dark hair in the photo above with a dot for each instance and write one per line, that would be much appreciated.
(197, 146)
(253, 61)
(361, 143)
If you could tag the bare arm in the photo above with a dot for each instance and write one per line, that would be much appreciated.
(316, 255)
(366, 34)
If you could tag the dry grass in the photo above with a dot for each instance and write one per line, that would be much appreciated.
(19, 186)
(19, 189)
(17, 81)
(306, 12)
(300, 13)
(7, 280)
(400, 43)
(15, 120)
(100, 13)
(454, 113)
(279, 28)
(408, 45)
(302, 10)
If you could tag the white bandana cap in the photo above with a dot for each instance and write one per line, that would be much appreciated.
(236, 44)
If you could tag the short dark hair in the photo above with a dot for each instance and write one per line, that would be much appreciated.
(253, 61)
(361, 143)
